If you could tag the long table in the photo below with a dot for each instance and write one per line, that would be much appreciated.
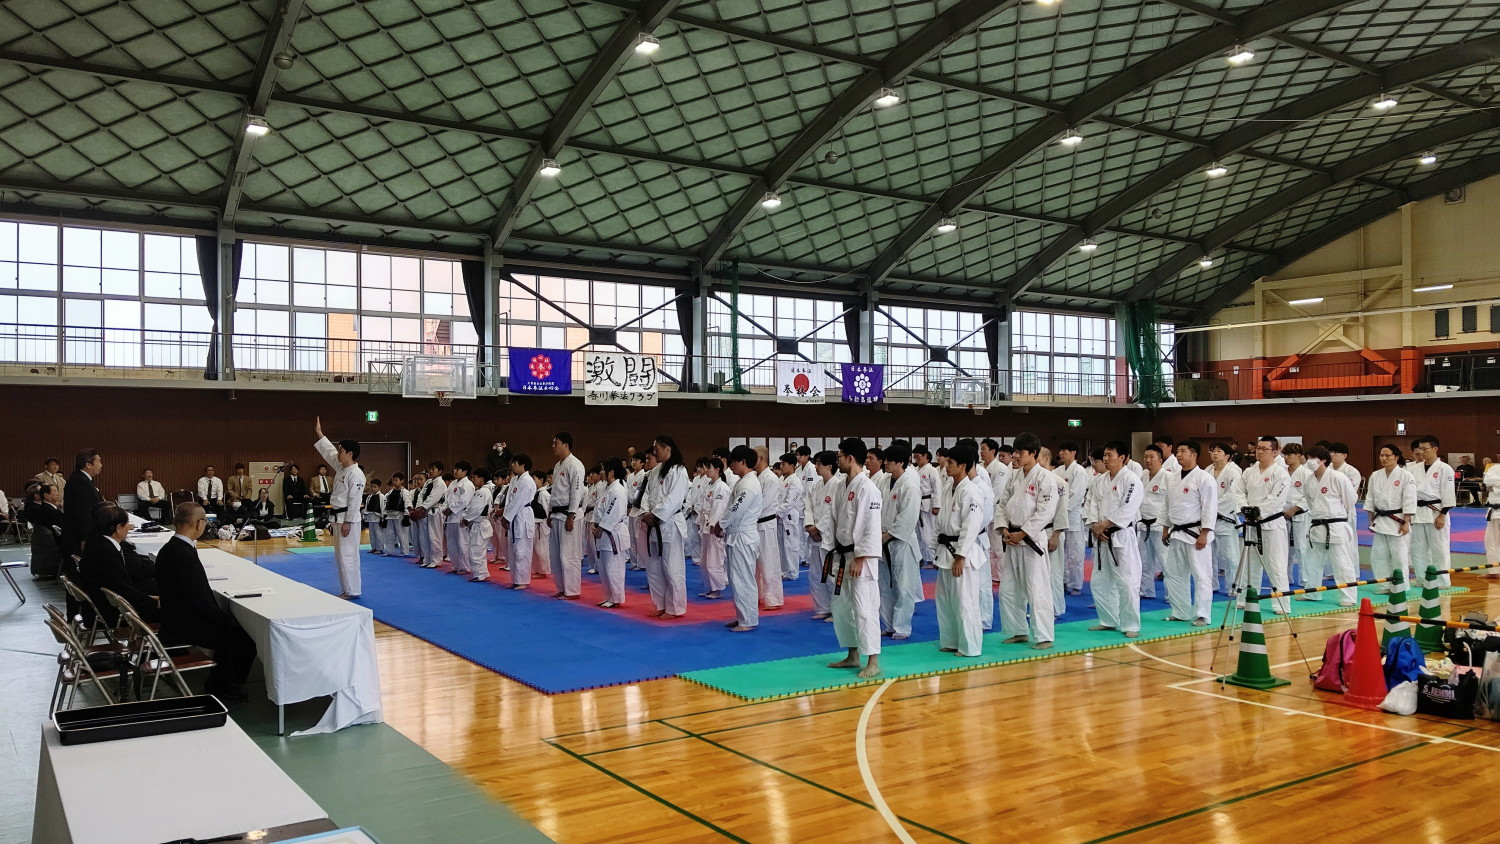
(311, 643)
(199, 784)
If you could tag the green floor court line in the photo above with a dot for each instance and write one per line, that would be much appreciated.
(797, 676)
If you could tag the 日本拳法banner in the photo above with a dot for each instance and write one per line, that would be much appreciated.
(541, 371)
(800, 382)
(864, 383)
(616, 378)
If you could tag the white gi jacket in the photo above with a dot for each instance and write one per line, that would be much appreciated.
(1192, 500)
(610, 516)
(1393, 495)
(1435, 489)
(348, 485)
(962, 516)
(1031, 501)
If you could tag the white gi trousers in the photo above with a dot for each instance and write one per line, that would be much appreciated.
(1072, 545)
(498, 540)
(346, 556)
(1148, 541)
(1027, 581)
(637, 543)
(1270, 560)
(666, 570)
(711, 560)
(377, 536)
(566, 553)
(926, 533)
(458, 547)
(394, 539)
(900, 587)
(1227, 548)
(820, 592)
(436, 535)
(1338, 553)
(742, 550)
(588, 549)
(1429, 547)
(692, 544)
(541, 565)
(1492, 541)
(521, 541)
(1297, 556)
(791, 547)
(477, 535)
(987, 589)
(957, 600)
(1057, 566)
(1117, 571)
(1189, 578)
(611, 565)
(1390, 554)
(768, 564)
(856, 608)
(419, 540)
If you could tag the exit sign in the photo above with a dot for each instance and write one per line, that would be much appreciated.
(1075, 423)
(372, 416)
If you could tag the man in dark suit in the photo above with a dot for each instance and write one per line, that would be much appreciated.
(190, 612)
(105, 565)
(80, 496)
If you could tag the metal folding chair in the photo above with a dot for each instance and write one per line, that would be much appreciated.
(153, 660)
(97, 626)
(74, 669)
(11, 579)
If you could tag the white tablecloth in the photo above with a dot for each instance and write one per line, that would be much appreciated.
(200, 784)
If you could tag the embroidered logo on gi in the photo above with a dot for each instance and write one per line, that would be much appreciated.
(1397, 483)
(851, 496)
(1324, 490)
(827, 499)
(1297, 484)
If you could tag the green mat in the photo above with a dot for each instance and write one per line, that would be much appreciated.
(316, 549)
(797, 676)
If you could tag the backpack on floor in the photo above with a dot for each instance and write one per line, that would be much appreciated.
(1487, 699)
(1338, 661)
(1403, 661)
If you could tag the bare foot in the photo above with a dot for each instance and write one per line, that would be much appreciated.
(850, 662)
(870, 671)
(1013, 640)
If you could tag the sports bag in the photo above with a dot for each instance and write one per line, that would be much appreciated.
(1338, 661)
(1403, 661)
(1448, 698)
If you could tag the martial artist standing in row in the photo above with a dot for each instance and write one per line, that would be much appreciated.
(855, 543)
(931, 483)
(1155, 479)
(713, 502)
(1227, 543)
(612, 534)
(1192, 510)
(476, 525)
(819, 520)
(397, 503)
(738, 528)
(999, 472)
(1266, 487)
(768, 564)
(344, 500)
(666, 567)
(1075, 484)
(790, 517)
(1331, 543)
(692, 546)
(1391, 501)
(1436, 495)
(1491, 517)
(901, 587)
(635, 488)
(565, 516)
(1296, 511)
(961, 519)
(1117, 561)
(1031, 501)
(428, 530)
(520, 522)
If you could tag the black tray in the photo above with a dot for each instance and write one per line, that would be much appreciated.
(139, 718)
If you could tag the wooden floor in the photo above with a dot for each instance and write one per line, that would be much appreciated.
(1138, 745)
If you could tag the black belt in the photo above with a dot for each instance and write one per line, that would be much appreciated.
(654, 528)
(337, 510)
(560, 508)
(1148, 523)
(1434, 501)
(843, 551)
(1031, 543)
(1224, 518)
(1190, 530)
(1395, 515)
(946, 540)
(1327, 532)
(1108, 532)
(763, 519)
(1269, 519)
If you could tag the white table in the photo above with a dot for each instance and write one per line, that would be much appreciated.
(199, 784)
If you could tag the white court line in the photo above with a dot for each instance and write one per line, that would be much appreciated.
(1133, 646)
(864, 767)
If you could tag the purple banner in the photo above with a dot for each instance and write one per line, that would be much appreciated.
(864, 383)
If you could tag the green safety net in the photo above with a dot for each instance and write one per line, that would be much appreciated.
(1139, 335)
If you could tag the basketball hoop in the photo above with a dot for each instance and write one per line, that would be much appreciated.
(445, 398)
(978, 410)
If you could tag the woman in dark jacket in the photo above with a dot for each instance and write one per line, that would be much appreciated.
(43, 511)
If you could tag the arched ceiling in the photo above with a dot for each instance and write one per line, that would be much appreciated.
(425, 123)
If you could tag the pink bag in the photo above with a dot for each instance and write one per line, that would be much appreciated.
(1338, 661)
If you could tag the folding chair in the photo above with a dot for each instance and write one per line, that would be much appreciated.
(83, 599)
(10, 578)
(154, 659)
(65, 656)
(74, 669)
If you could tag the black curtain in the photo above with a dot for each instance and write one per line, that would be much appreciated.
(208, 272)
(474, 282)
(992, 345)
(852, 333)
(686, 326)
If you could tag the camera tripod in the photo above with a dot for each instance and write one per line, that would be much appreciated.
(1240, 584)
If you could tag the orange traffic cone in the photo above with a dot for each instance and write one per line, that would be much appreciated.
(1367, 682)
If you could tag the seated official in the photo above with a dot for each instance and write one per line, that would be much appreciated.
(294, 494)
(43, 511)
(211, 491)
(191, 613)
(321, 490)
(149, 494)
(106, 564)
(262, 509)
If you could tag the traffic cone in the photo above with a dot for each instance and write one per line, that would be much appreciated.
(1367, 680)
(1430, 637)
(1254, 669)
(1396, 606)
(309, 528)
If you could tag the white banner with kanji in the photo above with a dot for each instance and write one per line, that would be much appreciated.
(800, 382)
(611, 378)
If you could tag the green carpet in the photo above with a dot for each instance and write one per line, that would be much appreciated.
(810, 674)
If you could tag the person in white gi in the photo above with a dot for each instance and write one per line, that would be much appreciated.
(1031, 501)
(1492, 516)
(1391, 501)
(1192, 510)
(981, 566)
(374, 514)
(1330, 534)
(520, 523)
(927, 522)
(1436, 495)
(1266, 487)
(634, 488)
(541, 546)
(666, 567)
(999, 474)
(459, 493)
(790, 515)
(592, 487)
(692, 542)
(901, 586)
(1296, 511)
(741, 537)
(565, 517)
(611, 531)
(1339, 454)
(768, 564)
(712, 504)
(818, 517)
(1062, 521)
(1075, 485)
(475, 522)
(347, 492)
(1227, 542)
(397, 503)
(1117, 561)
(855, 543)
(429, 529)
(962, 518)
(1168, 449)
(1154, 480)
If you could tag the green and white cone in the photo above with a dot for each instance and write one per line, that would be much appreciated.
(1396, 606)
(1430, 637)
(1254, 669)
(309, 528)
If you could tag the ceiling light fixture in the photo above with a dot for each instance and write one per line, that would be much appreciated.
(947, 225)
(887, 98)
(1071, 138)
(1087, 246)
(1205, 262)
(1384, 102)
(1310, 301)
(770, 201)
(1428, 159)
(1216, 170)
(257, 127)
(1240, 55)
(550, 168)
(648, 44)
(1432, 288)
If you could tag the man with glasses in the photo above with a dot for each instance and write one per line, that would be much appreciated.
(1436, 495)
(1265, 487)
(348, 491)
(191, 615)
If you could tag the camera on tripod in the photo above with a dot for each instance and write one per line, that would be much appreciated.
(1251, 514)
